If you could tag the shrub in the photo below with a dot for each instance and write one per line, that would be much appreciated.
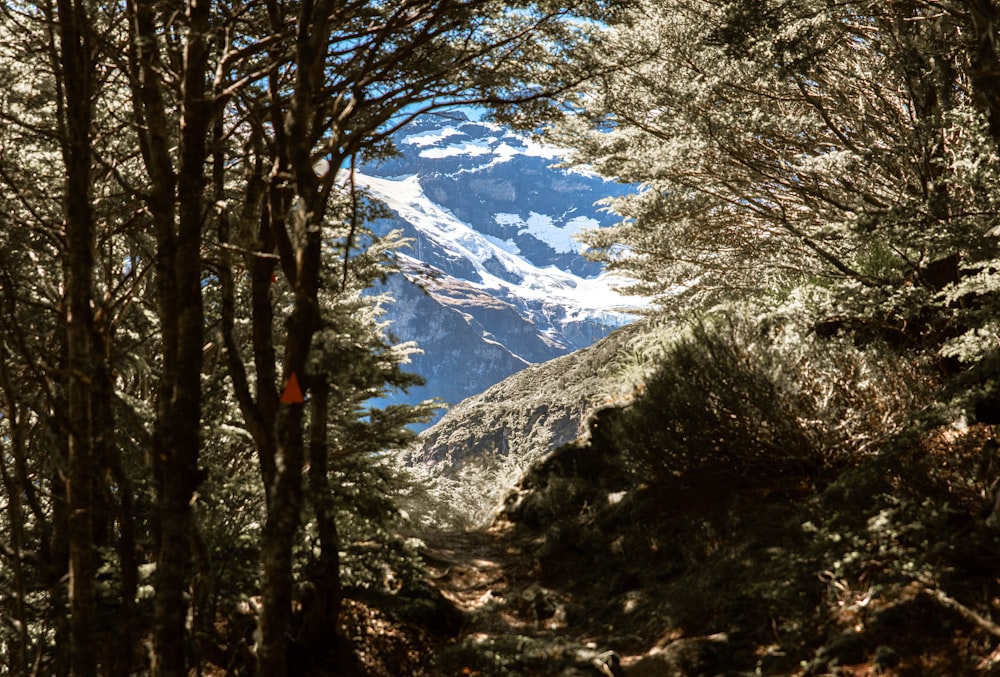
(732, 397)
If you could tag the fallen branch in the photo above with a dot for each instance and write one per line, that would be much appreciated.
(967, 613)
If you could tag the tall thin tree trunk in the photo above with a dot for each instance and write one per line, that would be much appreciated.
(984, 17)
(180, 409)
(118, 639)
(280, 530)
(322, 623)
(173, 195)
(17, 660)
(300, 262)
(77, 83)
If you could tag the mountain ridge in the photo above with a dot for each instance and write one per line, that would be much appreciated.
(494, 280)
(516, 423)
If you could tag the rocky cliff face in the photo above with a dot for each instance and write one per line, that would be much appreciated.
(494, 281)
(530, 413)
(461, 354)
(480, 449)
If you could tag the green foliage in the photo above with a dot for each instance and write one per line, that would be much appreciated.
(231, 514)
(876, 260)
(365, 495)
(851, 146)
(732, 397)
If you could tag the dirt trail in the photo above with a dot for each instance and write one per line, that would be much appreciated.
(521, 626)
(466, 566)
(485, 575)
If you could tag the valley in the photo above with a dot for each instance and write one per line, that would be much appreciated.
(493, 280)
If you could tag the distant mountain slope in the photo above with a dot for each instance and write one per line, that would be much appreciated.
(495, 281)
(530, 413)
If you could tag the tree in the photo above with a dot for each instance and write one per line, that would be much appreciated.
(83, 359)
(182, 234)
(850, 142)
(356, 74)
(66, 473)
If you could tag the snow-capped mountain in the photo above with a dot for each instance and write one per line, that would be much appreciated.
(495, 280)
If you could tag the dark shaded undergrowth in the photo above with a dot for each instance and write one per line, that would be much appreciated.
(761, 508)
(767, 505)
(888, 566)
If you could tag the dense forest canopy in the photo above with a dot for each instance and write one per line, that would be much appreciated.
(189, 473)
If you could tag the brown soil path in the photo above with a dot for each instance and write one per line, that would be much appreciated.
(485, 575)
(493, 579)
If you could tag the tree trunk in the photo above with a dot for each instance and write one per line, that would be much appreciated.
(181, 312)
(123, 645)
(322, 621)
(299, 251)
(285, 493)
(984, 17)
(280, 531)
(82, 361)
(17, 661)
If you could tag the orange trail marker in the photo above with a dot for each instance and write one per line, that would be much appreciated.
(292, 393)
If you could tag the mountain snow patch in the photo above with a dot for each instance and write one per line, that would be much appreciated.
(520, 279)
(431, 138)
(467, 149)
(544, 229)
(503, 145)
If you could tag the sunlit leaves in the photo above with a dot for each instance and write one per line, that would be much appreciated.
(789, 136)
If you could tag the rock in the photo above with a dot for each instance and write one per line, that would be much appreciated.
(609, 664)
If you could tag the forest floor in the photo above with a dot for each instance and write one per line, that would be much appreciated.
(513, 624)
(891, 567)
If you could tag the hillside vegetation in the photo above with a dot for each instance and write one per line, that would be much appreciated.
(473, 456)
(769, 502)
